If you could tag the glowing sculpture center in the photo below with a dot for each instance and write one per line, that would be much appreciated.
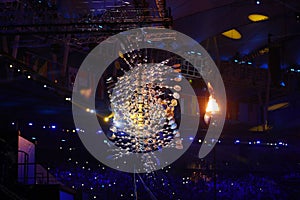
(143, 107)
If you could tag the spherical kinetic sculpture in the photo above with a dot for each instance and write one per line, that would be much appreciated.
(144, 102)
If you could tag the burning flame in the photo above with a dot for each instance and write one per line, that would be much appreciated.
(212, 105)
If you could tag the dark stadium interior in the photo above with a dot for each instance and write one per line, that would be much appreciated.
(44, 43)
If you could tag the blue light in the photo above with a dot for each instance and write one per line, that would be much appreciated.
(30, 124)
(53, 126)
(237, 141)
(191, 138)
(292, 70)
(264, 66)
(63, 140)
(33, 138)
(250, 143)
(280, 143)
(235, 60)
(258, 142)
(257, 2)
(282, 84)
(249, 63)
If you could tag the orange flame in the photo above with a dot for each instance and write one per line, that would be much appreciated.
(212, 105)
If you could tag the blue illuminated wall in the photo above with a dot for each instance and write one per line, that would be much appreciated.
(65, 196)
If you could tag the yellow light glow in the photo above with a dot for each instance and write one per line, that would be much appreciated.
(260, 128)
(257, 17)
(233, 34)
(121, 54)
(111, 115)
(278, 106)
(106, 119)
